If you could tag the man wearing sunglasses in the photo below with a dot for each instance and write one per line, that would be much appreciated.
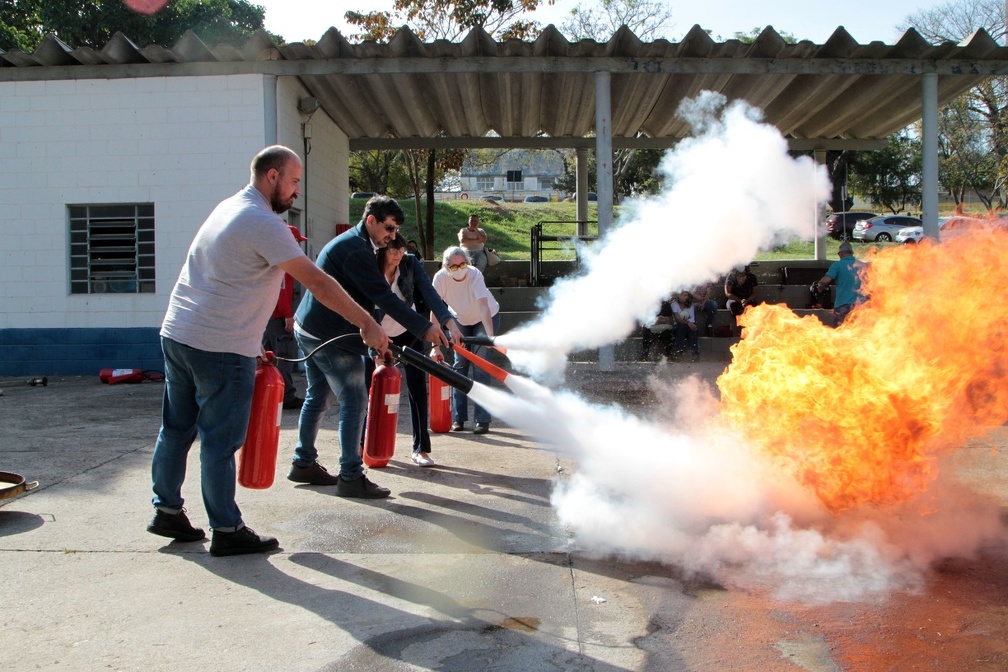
(335, 368)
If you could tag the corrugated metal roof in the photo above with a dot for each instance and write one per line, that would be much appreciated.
(411, 92)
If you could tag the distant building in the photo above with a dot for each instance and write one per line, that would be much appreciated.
(486, 172)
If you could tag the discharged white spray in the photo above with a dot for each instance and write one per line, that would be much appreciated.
(729, 192)
(689, 492)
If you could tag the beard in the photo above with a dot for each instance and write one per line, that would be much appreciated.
(278, 204)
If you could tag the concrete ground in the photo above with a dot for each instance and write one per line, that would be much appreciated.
(465, 567)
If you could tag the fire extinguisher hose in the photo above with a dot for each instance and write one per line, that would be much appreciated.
(428, 365)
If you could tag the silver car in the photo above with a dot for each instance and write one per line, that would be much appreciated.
(882, 229)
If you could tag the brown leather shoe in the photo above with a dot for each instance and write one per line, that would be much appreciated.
(316, 474)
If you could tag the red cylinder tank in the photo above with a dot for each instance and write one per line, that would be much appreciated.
(257, 458)
(382, 415)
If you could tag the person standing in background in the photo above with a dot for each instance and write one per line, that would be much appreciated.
(462, 287)
(846, 273)
(279, 335)
(473, 240)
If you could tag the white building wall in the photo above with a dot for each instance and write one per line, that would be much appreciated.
(183, 143)
(325, 199)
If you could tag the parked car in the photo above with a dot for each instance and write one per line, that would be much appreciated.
(882, 229)
(363, 194)
(536, 199)
(840, 224)
(493, 197)
(592, 197)
(950, 227)
(910, 235)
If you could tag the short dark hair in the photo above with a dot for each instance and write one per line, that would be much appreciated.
(274, 156)
(383, 207)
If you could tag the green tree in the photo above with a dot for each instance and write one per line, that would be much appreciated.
(449, 19)
(974, 128)
(648, 19)
(380, 171)
(634, 175)
(92, 23)
(889, 177)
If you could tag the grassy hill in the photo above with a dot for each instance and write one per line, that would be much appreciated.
(508, 226)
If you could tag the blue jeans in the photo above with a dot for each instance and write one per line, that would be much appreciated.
(460, 402)
(710, 307)
(479, 259)
(685, 337)
(333, 374)
(209, 394)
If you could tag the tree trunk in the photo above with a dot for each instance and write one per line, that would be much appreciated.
(427, 232)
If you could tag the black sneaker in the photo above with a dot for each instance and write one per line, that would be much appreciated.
(176, 526)
(362, 488)
(482, 428)
(241, 542)
(458, 426)
(316, 474)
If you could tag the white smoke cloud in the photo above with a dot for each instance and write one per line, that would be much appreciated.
(730, 192)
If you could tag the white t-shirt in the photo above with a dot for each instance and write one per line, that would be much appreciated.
(229, 284)
(688, 313)
(463, 296)
(391, 327)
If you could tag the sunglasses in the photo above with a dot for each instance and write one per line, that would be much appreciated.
(391, 228)
(455, 267)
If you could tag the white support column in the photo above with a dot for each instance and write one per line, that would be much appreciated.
(820, 213)
(582, 190)
(604, 189)
(929, 172)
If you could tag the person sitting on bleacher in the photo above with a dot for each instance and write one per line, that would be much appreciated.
(703, 296)
(684, 327)
(740, 291)
(660, 328)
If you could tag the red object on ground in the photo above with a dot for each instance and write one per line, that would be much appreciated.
(114, 376)
(439, 402)
(257, 460)
(382, 415)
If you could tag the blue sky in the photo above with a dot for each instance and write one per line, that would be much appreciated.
(865, 20)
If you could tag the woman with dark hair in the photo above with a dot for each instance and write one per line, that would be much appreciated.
(408, 280)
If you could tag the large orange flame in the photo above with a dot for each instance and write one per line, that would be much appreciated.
(859, 414)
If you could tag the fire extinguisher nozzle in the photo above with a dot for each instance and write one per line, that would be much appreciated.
(436, 369)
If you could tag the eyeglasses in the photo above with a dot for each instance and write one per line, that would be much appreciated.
(391, 228)
(455, 267)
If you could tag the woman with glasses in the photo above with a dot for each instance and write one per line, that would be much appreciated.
(462, 287)
(406, 276)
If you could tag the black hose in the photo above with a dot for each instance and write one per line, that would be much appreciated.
(427, 365)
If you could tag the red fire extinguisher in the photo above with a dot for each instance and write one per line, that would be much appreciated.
(439, 403)
(114, 376)
(257, 461)
(382, 415)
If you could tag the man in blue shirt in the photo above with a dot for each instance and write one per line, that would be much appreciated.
(846, 273)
